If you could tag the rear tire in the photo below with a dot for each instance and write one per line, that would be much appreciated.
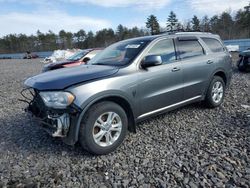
(103, 128)
(215, 93)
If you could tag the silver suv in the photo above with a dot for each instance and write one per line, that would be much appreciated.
(129, 81)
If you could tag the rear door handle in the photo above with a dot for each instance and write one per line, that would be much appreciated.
(209, 62)
(176, 69)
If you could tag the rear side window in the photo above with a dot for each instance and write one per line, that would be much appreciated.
(213, 44)
(165, 49)
(189, 48)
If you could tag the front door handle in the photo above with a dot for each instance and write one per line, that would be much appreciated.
(176, 69)
(209, 62)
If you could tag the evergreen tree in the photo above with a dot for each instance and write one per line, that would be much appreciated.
(188, 26)
(51, 41)
(242, 20)
(62, 36)
(205, 26)
(90, 40)
(172, 22)
(153, 25)
(121, 32)
(196, 23)
(136, 32)
(79, 37)
(226, 25)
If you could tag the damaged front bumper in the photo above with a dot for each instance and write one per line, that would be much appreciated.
(57, 122)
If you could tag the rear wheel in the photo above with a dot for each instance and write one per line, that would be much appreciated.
(215, 93)
(103, 128)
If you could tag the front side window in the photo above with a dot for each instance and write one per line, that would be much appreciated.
(165, 49)
(189, 48)
(213, 44)
(120, 53)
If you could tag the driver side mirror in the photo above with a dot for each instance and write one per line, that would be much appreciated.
(151, 60)
(86, 59)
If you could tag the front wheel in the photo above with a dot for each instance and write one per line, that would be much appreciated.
(103, 128)
(215, 93)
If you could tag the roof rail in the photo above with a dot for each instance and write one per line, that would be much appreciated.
(179, 33)
(170, 32)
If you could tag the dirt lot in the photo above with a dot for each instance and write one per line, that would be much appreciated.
(191, 147)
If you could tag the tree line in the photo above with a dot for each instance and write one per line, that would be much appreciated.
(228, 26)
(225, 24)
(66, 40)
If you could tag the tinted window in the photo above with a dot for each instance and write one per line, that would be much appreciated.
(213, 44)
(165, 49)
(189, 48)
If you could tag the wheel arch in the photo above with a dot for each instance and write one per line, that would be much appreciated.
(118, 99)
(221, 74)
(121, 101)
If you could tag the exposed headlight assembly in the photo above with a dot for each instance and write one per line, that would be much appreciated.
(59, 100)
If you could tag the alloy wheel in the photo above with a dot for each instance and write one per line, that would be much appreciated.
(107, 129)
(217, 92)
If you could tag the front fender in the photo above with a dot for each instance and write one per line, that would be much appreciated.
(72, 137)
(123, 86)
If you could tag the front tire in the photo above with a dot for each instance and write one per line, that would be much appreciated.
(215, 93)
(103, 128)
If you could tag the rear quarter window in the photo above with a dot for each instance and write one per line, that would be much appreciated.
(189, 48)
(213, 44)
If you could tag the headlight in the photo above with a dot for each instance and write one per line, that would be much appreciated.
(57, 99)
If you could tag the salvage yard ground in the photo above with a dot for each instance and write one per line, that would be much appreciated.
(192, 146)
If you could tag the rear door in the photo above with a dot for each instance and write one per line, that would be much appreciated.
(161, 86)
(219, 54)
(197, 66)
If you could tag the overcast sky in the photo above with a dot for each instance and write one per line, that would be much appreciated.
(27, 16)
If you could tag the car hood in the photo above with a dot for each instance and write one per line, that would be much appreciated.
(63, 78)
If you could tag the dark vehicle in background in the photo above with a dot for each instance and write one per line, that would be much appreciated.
(129, 81)
(243, 63)
(81, 57)
(29, 55)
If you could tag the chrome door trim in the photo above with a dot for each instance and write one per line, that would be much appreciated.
(170, 106)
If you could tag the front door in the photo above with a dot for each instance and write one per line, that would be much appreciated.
(161, 86)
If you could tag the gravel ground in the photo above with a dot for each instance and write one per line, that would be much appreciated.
(189, 147)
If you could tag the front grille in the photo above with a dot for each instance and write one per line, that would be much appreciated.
(37, 107)
(35, 103)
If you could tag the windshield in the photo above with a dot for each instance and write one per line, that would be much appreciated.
(121, 53)
(77, 55)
